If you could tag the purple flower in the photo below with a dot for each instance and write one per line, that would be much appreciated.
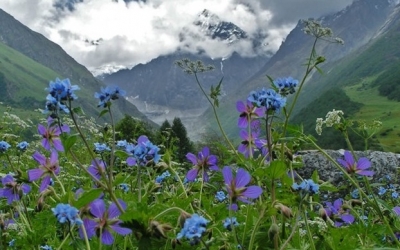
(248, 112)
(96, 168)
(396, 210)
(203, 162)
(47, 168)
(51, 134)
(236, 187)
(104, 221)
(248, 143)
(12, 190)
(351, 167)
(338, 213)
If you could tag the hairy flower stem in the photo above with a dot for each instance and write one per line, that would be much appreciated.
(12, 166)
(109, 186)
(60, 183)
(245, 224)
(253, 233)
(216, 116)
(85, 236)
(180, 182)
(139, 183)
(233, 226)
(201, 187)
(112, 155)
(308, 230)
(205, 244)
(308, 71)
(166, 211)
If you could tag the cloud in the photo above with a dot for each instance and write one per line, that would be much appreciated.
(130, 32)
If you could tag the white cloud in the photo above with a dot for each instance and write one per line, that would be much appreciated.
(138, 32)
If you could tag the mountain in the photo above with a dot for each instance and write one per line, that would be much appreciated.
(31, 61)
(161, 90)
(358, 25)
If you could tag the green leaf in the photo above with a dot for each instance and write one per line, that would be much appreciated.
(326, 186)
(78, 110)
(276, 169)
(103, 112)
(121, 154)
(88, 197)
(68, 141)
(315, 176)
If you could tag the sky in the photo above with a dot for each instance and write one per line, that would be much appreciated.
(104, 34)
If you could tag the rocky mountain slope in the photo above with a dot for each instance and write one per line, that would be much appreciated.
(52, 58)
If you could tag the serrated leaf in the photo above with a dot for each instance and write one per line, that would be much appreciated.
(88, 197)
(276, 169)
(326, 186)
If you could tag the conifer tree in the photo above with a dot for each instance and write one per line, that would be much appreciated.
(183, 143)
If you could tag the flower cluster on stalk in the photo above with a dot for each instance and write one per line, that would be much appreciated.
(143, 152)
(107, 94)
(60, 91)
(306, 187)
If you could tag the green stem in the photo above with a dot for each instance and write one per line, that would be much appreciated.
(63, 242)
(216, 116)
(59, 182)
(112, 156)
(139, 183)
(245, 225)
(253, 233)
(85, 237)
(166, 211)
(308, 71)
(308, 231)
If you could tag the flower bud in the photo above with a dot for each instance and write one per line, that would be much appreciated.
(323, 214)
(286, 211)
(355, 202)
(159, 230)
(273, 230)
(182, 218)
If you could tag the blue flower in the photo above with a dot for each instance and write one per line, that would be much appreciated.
(286, 85)
(124, 187)
(381, 191)
(101, 147)
(4, 146)
(307, 186)
(161, 177)
(193, 229)
(220, 196)
(22, 146)
(46, 247)
(355, 194)
(143, 153)
(122, 144)
(229, 222)
(107, 94)
(268, 99)
(62, 90)
(395, 195)
(64, 213)
(11, 243)
(52, 105)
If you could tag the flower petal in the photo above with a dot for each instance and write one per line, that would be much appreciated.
(121, 230)
(35, 174)
(363, 163)
(45, 183)
(242, 122)
(131, 161)
(240, 106)
(90, 227)
(46, 144)
(365, 172)
(242, 178)
(191, 157)
(252, 192)
(227, 174)
(41, 159)
(205, 152)
(396, 210)
(58, 145)
(348, 218)
(192, 174)
(107, 238)
(97, 208)
(349, 158)
(41, 129)
(113, 210)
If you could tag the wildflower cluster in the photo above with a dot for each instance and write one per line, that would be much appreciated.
(12, 190)
(306, 187)
(107, 94)
(67, 213)
(267, 98)
(60, 91)
(332, 118)
(161, 177)
(193, 229)
(143, 153)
